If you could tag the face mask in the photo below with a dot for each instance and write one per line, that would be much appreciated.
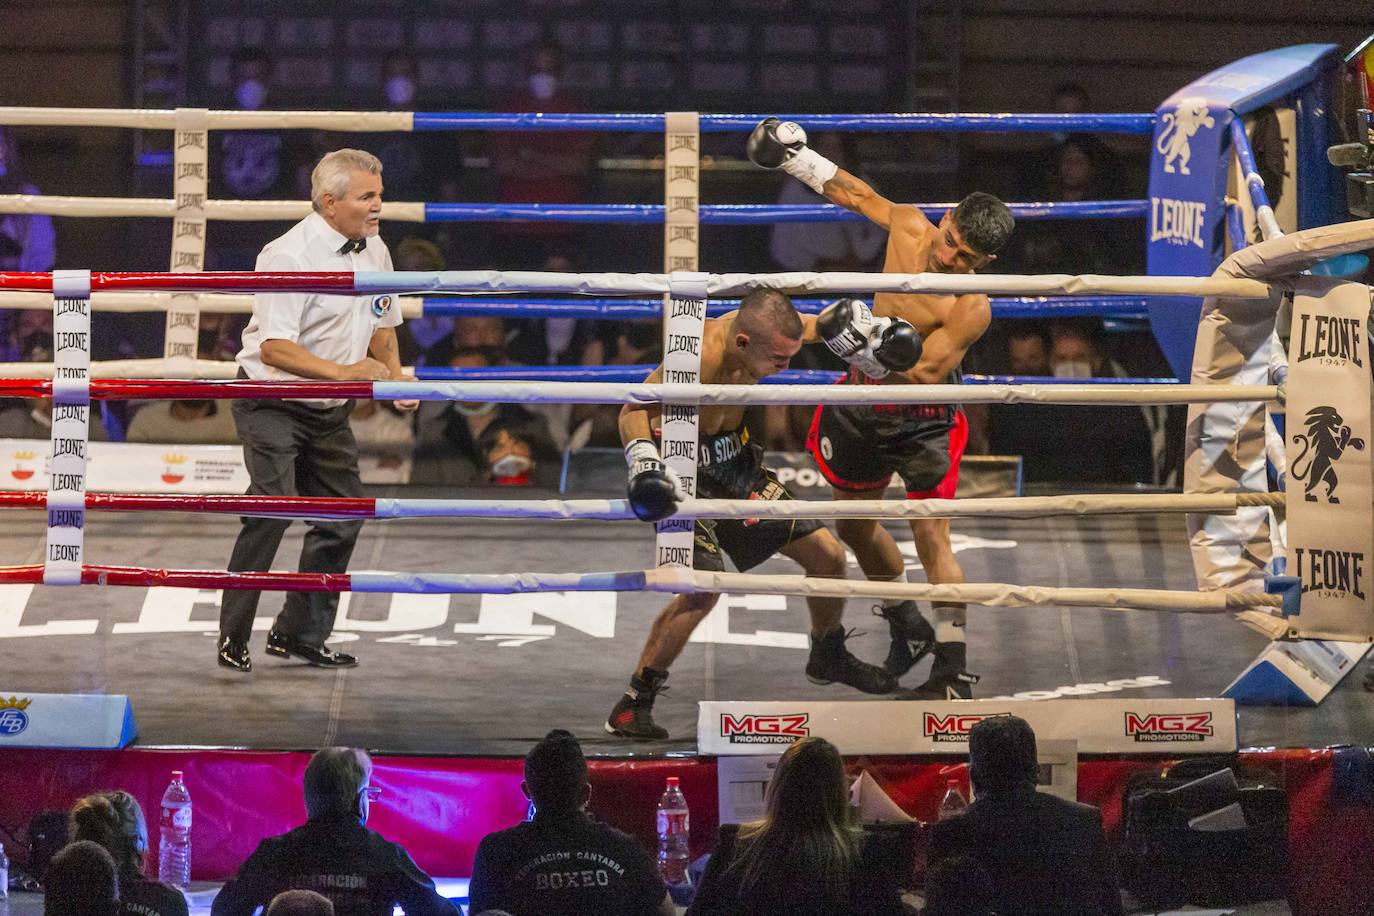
(400, 91)
(250, 94)
(543, 85)
(1072, 368)
(474, 410)
(558, 333)
(510, 466)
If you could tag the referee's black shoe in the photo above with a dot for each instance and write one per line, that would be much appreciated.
(319, 656)
(234, 654)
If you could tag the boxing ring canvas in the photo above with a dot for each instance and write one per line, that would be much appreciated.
(487, 674)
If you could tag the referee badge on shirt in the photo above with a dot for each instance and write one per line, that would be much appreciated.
(381, 305)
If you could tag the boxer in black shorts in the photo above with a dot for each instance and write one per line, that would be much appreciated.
(741, 348)
(858, 450)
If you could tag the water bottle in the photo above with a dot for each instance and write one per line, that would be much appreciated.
(174, 849)
(953, 803)
(4, 875)
(673, 832)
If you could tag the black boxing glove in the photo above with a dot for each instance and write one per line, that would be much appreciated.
(782, 144)
(897, 347)
(654, 489)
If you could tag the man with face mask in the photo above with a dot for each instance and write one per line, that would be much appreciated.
(549, 167)
(334, 854)
(859, 448)
(247, 164)
(741, 348)
(306, 447)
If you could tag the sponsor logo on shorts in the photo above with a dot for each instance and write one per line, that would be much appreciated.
(381, 305)
(953, 728)
(1155, 728)
(756, 729)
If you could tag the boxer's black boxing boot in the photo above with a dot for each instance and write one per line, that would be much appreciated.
(912, 636)
(948, 679)
(633, 716)
(831, 663)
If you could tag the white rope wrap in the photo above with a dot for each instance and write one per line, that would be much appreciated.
(996, 507)
(986, 594)
(639, 393)
(240, 210)
(165, 119)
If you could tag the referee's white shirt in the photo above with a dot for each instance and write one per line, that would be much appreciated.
(336, 328)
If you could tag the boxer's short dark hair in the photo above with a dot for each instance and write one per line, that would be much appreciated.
(984, 222)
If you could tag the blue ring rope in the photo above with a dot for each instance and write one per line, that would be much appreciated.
(730, 123)
(1128, 307)
(753, 214)
(632, 374)
(1258, 196)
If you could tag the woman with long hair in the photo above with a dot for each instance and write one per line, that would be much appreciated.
(806, 857)
(115, 821)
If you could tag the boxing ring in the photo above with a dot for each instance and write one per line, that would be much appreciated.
(544, 643)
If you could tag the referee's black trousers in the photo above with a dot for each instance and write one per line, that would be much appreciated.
(292, 449)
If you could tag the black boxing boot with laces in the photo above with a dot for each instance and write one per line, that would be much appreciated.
(633, 715)
(832, 663)
(912, 636)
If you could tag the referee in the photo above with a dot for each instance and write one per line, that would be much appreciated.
(305, 447)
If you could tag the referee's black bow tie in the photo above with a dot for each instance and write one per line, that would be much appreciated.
(353, 245)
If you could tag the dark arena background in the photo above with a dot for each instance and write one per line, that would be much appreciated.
(568, 185)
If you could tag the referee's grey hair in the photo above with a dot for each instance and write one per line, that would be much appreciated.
(334, 172)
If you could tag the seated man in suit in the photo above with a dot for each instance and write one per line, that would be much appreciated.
(1045, 855)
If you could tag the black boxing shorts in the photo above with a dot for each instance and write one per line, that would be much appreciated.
(729, 466)
(860, 446)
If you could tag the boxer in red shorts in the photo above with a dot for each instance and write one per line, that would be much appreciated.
(858, 448)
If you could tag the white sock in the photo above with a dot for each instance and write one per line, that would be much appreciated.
(949, 622)
(900, 577)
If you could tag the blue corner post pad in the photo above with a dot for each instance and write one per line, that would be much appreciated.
(1291, 590)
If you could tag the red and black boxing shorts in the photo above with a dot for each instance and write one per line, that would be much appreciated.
(860, 446)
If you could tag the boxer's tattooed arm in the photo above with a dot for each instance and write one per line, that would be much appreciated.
(858, 195)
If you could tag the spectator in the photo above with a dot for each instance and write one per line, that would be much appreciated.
(1028, 350)
(115, 822)
(417, 335)
(824, 246)
(81, 880)
(190, 422)
(547, 167)
(564, 863)
(334, 854)
(1060, 443)
(416, 164)
(807, 856)
(486, 335)
(300, 903)
(558, 341)
(475, 443)
(959, 887)
(247, 164)
(637, 343)
(32, 419)
(28, 336)
(386, 441)
(1045, 855)
(27, 242)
